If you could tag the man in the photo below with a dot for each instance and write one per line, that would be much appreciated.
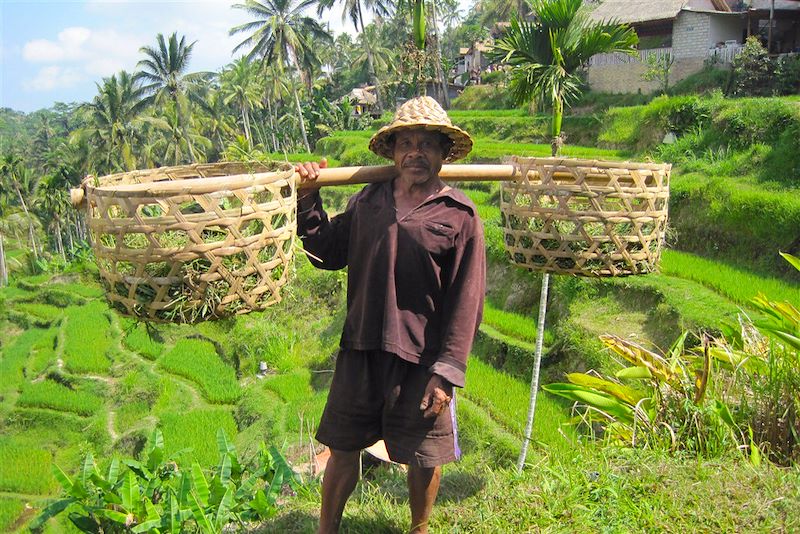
(416, 276)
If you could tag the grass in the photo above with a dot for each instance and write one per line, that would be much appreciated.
(14, 358)
(43, 353)
(10, 510)
(42, 311)
(506, 399)
(24, 469)
(510, 324)
(196, 430)
(140, 340)
(197, 360)
(55, 396)
(737, 284)
(86, 340)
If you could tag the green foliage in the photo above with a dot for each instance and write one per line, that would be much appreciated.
(10, 510)
(198, 361)
(659, 69)
(484, 97)
(719, 217)
(86, 340)
(159, 495)
(14, 358)
(24, 469)
(143, 339)
(738, 284)
(57, 396)
(704, 81)
(787, 74)
(191, 434)
(753, 70)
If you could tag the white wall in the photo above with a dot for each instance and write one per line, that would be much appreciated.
(690, 35)
(724, 28)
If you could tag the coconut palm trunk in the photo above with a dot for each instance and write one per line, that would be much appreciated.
(3, 270)
(373, 78)
(555, 126)
(31, 231)
(60, 242)
(275, 146)
(441, 79)
(246, 121)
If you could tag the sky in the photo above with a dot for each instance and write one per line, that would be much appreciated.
(57, 51)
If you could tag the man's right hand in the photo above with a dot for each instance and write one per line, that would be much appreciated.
(309, 172)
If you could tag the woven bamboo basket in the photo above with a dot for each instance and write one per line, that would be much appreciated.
(192, 242)
(586, 218)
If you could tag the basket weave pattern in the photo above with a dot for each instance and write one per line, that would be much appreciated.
(187, 253)
(583, 217)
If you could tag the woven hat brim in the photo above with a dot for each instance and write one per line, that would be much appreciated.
(462, 142)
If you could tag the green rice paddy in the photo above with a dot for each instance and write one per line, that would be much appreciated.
(198, 361)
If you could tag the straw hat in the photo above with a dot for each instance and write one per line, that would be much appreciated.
(423, 113)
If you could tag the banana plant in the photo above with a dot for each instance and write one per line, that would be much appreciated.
(156, 495)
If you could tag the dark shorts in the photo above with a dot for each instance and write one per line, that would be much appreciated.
(376, 395)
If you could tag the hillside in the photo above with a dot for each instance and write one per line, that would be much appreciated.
(76, 376)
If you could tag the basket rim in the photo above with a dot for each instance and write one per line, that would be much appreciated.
(558, 161)
(200, 185)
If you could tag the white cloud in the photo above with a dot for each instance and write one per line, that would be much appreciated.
(53, 77)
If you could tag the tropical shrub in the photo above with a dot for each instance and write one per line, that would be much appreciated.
(753, 70)
(159, 495)
(787, 74)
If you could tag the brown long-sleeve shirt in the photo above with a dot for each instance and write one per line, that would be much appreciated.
(415, 286)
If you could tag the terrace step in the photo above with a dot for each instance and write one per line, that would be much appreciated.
(504, 352)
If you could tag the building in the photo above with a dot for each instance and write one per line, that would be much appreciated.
(692, 33)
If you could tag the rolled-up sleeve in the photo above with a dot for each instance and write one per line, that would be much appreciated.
(463, 304)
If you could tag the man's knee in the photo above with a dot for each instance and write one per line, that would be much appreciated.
(345, 457)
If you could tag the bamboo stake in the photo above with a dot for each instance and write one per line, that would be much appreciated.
(537, 361)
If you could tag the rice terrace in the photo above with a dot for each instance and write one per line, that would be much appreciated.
(168, 342)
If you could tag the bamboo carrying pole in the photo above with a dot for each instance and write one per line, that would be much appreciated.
(327, 177)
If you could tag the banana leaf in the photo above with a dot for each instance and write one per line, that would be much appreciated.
(623, 393)
(593, 399)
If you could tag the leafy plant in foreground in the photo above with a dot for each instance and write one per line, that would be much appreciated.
(157, 495)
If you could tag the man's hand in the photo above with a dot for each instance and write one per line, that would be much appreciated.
(309, 172)
(437, 396)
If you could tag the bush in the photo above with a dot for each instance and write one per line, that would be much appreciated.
(484, 97)
(753, 72)
(787, 75)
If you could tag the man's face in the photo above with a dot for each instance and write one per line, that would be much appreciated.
(418, 155)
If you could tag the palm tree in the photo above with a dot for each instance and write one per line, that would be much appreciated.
(112, 120)
(281, 35)
(54, 203)
(374, 56)
(241, 86)
(217, 123)
(163, 75)
(179, 142)
(354, 10)
(15, 175)
(547, 53)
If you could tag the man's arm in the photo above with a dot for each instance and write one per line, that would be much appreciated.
(325, 240)
(463, 304)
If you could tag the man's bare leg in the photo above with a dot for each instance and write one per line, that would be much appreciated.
(339, 481)
(423, 485)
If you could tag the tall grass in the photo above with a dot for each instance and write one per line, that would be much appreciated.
(510, 324)
(14, 358)
(41, 311)
(197, 360)
(55, 396)
(139, 339)
(24, 469)
(86, 339)
(735, 283)
(43, 353)
(10, 510)
(196, 430)
(506, 398)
